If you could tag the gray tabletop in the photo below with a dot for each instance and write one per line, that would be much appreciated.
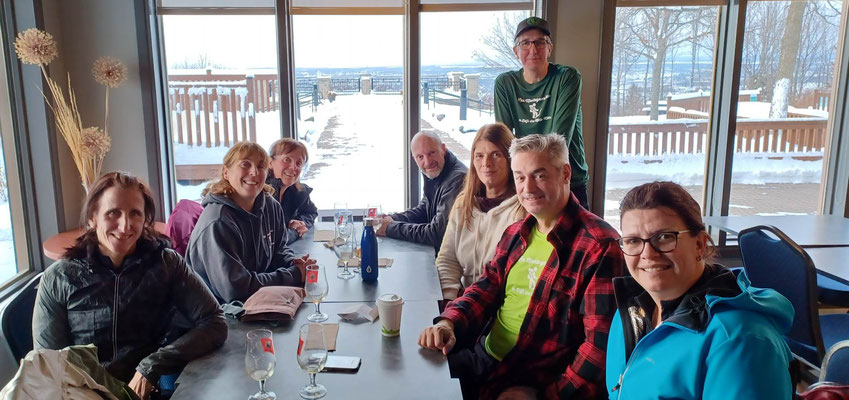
(392, 368)
(831, 262)
(412, 275)
(806, 230)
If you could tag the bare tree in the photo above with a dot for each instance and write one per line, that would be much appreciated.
(626, 54)
(200, 61)
(787, 59)
(660, 30)
(498, 44)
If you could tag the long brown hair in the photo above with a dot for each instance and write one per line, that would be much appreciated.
(86, 244)
(287, 145)
(499, 135)
(674, 197)
(239, 151)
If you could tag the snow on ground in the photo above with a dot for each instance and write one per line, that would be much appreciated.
(688, 169)
(8, 264)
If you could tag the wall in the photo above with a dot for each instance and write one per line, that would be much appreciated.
(577, 31)
(86, 30)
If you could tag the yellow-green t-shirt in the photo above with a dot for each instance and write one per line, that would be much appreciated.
(521, 282)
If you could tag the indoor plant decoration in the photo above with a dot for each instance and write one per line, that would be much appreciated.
(88, 145)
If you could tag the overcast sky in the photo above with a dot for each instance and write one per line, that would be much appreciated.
(325, 40)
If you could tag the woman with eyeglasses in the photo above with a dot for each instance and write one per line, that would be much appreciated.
(687, 328)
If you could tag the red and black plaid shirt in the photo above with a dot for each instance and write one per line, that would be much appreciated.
(563, 339)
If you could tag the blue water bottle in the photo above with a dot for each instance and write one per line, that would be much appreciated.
(368, 242)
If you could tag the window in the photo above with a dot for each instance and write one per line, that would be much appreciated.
(461, 55)
(663, 61)
(222, 89)
(14, 249)
(783, 111)
(350, 112)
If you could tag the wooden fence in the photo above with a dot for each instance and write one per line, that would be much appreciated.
(680, 136)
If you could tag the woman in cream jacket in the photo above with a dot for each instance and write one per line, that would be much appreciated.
(486, 206)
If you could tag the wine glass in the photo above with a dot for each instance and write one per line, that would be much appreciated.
(341, 216)
(345, 249)
(260, 361)
(316, 288)
(312, 355)
(373, 210)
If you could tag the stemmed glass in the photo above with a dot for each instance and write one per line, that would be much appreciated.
(260, 361)
(345, 248)
(312, 355)
(341, 216)
(316, 288)
(374, 210)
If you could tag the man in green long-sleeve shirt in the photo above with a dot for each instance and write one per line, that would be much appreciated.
(543, 97)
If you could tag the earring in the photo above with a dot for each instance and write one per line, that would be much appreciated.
(699, 257)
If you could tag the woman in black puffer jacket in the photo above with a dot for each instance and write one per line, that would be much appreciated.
(117, 287)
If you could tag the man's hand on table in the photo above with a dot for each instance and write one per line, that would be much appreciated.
(439, 337)
(298, 226)
(384, 221)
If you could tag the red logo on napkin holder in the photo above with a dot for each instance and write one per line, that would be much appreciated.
(372, 212)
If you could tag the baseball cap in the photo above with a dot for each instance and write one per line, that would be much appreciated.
(532, 23)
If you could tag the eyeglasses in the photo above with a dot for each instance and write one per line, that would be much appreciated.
(539, 43)
(662, 242)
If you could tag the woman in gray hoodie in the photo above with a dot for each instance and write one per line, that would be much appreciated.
(239, 242)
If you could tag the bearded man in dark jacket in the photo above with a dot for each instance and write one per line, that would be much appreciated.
(444, 174)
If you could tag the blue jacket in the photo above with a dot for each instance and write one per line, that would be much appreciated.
(723, 340)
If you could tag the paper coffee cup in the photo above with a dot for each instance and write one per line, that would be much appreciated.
(389, 309)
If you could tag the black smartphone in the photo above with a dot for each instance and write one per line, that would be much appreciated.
(342, 364)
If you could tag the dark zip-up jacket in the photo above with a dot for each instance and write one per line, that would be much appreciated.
(426, 222)
(296, 205)
(236, 252)
(125, 311)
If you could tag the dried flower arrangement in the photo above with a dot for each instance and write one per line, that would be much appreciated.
(88, 145)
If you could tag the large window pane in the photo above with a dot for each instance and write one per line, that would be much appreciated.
(349, 79)
(14, 251)
(660, 99)
(462, 54)
(222, 89)
(783, 113)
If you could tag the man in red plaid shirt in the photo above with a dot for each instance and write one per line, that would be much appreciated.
(546, 297)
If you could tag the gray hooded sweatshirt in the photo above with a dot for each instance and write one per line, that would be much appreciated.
(237, 252)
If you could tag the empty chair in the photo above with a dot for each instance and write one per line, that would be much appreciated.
(835, 365)
(17, 319)
(773, 260)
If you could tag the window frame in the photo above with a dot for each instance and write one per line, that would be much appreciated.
(722, 123)
(284, 10)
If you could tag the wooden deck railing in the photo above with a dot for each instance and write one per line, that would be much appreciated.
(682, 136)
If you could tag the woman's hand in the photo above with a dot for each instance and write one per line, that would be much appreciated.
(302, 263)
(141, 386)
(298, 226)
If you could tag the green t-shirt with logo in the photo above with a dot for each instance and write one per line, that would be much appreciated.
(521, 282)
(552, 105)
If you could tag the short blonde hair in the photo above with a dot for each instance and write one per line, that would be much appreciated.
(239, 151)
(553, 145)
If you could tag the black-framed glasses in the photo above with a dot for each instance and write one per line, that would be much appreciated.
(539, 43)
(662, 242)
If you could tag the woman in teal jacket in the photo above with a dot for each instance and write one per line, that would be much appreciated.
(686, 329)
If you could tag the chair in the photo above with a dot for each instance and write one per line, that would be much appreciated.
(835, 365)
(773, 260)
(181, 222)
(16, 319)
